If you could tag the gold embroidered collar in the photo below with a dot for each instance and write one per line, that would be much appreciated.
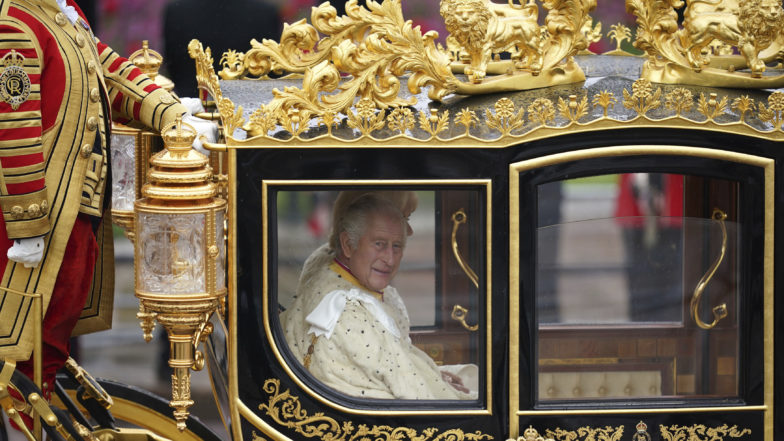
(345, 273)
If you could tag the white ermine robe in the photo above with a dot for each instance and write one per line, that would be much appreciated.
(362, 357)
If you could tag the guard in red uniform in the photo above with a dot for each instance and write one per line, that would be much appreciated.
(59, 88)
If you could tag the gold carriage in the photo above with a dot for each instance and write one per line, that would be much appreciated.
(596, 234)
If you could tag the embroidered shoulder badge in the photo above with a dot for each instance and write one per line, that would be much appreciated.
(14, 81)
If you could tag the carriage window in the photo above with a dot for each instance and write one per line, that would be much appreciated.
(637, 287)
(366, 282)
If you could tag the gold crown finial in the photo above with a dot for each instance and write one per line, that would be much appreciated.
(13, 58)
(147, 60)
(179, 135)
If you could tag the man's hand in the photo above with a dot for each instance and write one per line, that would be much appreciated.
(454, 381)
(203, 127)
(27, 251)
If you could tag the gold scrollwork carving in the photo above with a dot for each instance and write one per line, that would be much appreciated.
(207, 81)
(374, 45)
(700, 432)
(586, 433)
(286, 410)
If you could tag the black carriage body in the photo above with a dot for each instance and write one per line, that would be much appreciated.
(703, 383)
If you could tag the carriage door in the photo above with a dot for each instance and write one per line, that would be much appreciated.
(642, 298)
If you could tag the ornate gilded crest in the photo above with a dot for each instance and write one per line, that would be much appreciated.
(540, 55)
(362, 55)
(642, 433)
(14, 81)
(683, 55)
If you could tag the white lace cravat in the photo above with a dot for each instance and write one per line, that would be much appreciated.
(69, 11)
(324, 317)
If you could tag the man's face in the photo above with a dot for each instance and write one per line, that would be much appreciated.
(377, 257)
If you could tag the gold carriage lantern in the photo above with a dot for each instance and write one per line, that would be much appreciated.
(180, 255)
(132, 147)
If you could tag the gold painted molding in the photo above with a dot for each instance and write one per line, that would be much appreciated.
(286, 410)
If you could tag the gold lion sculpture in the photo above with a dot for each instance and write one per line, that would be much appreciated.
(483, 28)
(749, 25)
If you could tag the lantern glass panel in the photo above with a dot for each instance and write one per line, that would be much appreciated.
(172, 258)
(123, 172)
(220, 264)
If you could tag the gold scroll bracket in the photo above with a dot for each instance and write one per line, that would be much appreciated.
(719, 311)
(458, 218)
(460, 313)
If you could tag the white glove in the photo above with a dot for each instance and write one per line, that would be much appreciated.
(192, 104)
(28, 251)
(203, 127)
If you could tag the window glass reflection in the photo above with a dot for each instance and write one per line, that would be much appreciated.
(619, 258)
(614, 249)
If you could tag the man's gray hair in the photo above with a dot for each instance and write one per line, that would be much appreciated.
(357, 215)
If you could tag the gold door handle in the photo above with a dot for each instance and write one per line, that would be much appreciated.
(459, 313)
(459, 217)
(719, 311)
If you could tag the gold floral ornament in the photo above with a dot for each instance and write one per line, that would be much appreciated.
(433, 123)
(743, 104)
(329, 119)
(541, 55)
(262, 120)
(466, 118)
(505, 119)
(586, 433)
(700, 432)
(606, 100)
(286, 410)
(541, 111)
(678, 55)
(774, 113)
(643, 98)
(294, 121)
(366, 119)
(619, 32)
(401, 119)
(233, 65)
(712, 107)
(680, 100)
(572, 109)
